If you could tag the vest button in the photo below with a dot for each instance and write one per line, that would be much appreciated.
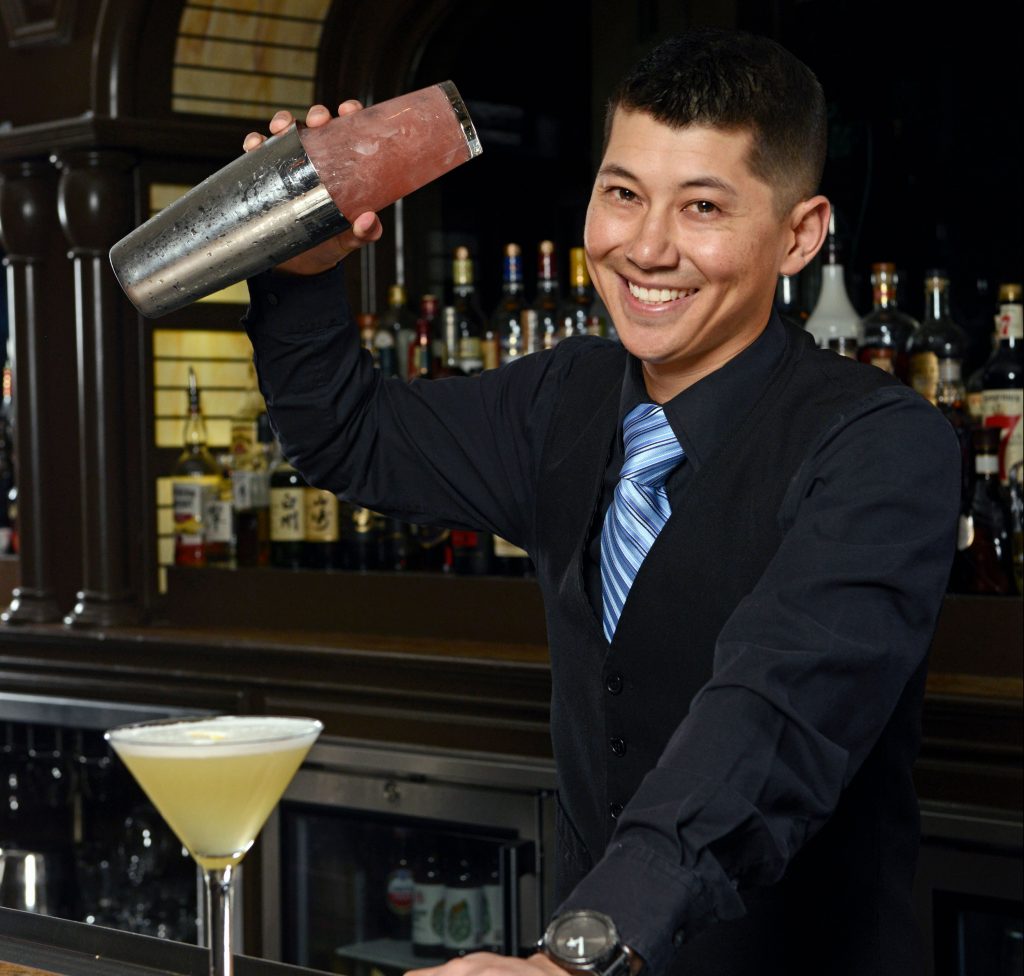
(614, 809)
(618, 746)
(614, 683)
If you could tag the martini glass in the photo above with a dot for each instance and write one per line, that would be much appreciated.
(215, 781)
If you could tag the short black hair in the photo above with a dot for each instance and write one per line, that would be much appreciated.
(735, 80)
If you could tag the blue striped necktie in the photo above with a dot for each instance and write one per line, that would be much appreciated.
(640, 507)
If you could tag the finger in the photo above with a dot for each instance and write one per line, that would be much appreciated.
(281, 121)
(349, 106)
(252, 140)
(367, 227)
(318, 115)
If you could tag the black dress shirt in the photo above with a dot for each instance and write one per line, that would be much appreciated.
(464, 452)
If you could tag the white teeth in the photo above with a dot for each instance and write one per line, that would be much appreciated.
(655, 296)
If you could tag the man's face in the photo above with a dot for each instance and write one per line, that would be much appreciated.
(684, 246)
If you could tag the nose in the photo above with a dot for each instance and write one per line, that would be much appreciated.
(653, 245)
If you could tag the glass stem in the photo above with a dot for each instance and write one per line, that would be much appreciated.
(219, 883)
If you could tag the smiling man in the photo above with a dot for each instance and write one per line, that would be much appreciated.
(742, 541)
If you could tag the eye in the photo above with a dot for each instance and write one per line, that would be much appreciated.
(621, 193)
(702, 207)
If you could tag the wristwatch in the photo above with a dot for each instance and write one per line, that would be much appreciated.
(587, 943)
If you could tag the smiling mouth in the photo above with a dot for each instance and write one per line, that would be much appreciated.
(658, 296)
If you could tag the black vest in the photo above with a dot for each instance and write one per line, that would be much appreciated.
(844, 903)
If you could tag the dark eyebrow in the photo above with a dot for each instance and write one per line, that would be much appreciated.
(698, 182)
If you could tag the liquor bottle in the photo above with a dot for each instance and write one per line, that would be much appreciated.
(452, 363)
(432, 547)
(400, 887)
(287, 514)
(984, 548)
(421, 351)
(250, 485)
(469, 319)
(385, 349)
(322, 532)
(508, 559)
(6, 462)
(1002, 397)
(463, 905)
(787, 301)
(507, 318)
(940, 343)
(574, 315)
(196, 487)
(547, 300)
(359, 528)
(401, 323)
(951, 399)
(430, 310)
(834, 322)
(885, 332)
(428, 909)
(394, 544)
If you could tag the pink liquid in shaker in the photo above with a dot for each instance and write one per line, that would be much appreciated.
(368, 160)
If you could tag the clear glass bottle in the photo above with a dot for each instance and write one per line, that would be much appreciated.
(1002, 381)
(834, 322)
(506, 319)
(885, 332)
(787, 301)
(940, 343)
(548, 298)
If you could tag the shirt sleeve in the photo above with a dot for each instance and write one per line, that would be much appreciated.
(807, 673)
(455, 452)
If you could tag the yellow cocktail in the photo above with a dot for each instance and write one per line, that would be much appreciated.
(215, 782)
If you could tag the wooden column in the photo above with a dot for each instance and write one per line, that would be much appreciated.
(95, 208)
(28, 219)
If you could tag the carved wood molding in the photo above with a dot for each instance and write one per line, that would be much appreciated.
(31, 23)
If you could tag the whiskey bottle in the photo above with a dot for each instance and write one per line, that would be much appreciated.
(250, 485)
(421, 351)
(452, 363)
(322, 533)
(470, 323)
(547, 299)
(287, 515)
(575, 311)
(367, 324)
(1002, 381)
(939, 340)
(834, 322)
(506, 320)
(359, 531)
(885, 332)
(385, 349)
(196, 489)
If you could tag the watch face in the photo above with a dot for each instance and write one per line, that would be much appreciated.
(583, 938)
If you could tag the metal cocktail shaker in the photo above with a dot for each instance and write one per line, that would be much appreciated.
(294, 191)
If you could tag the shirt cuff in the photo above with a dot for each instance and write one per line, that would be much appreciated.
(289, 304)
(657, 907)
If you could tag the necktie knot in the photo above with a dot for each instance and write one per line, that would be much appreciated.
(651, 448)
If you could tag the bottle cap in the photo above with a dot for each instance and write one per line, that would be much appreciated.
(1009, 292)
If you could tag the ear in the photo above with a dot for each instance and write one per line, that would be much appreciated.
(808, 223)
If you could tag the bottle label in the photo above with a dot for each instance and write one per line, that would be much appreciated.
(192, 498)
(1003, 409)
(219, 526)
(362, 521)
(465, 539)
(287, 515)
(881, 357)
(986, 464)
(400, 892)
(463, 913)
(243, 437)
(322, 523)
(490, 351)
(250, 490)
(471, 357)
(1010, 322)
(924, 374)
(428, 915)
(505, 550)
